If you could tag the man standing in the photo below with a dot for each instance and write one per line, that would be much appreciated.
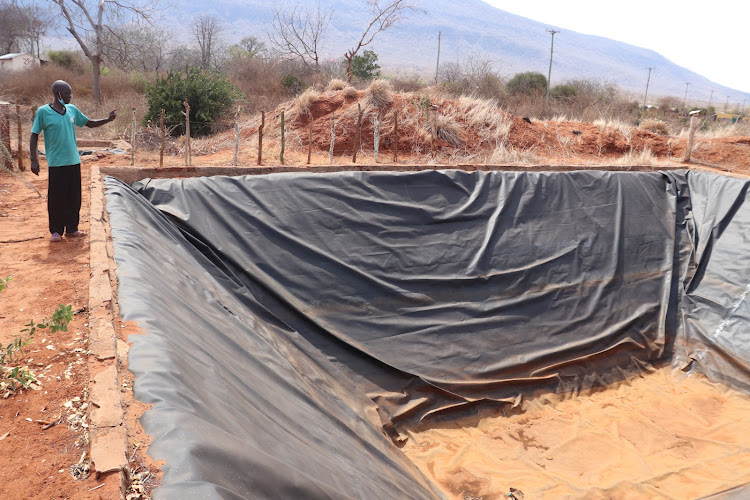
(57, 121)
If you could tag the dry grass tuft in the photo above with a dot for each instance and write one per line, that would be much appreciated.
(337, 84)
(485, 115)
(380, 94)
(504, 155)
(643, 157)
(350, 93)
(655, 126)
(304, 102)
(449, 130)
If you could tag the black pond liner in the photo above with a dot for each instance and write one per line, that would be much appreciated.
(284, 314)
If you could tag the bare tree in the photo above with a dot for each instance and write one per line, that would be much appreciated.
(90, 20)
(136, 47)
(299, 32)
(19, 24)
(384, 14)
(13, 26)
(207, 30)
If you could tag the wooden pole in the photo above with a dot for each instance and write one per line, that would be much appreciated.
(433, 130)
(21, 166)
(132, 140)
(310, 139)
(163, 139)
(283, 140)
(333, 137)
(260, 135)
(5, 134)
(395, 136)
(357, 133)
(691, 139)
(376, 136)
(188, 160)
(236, 136)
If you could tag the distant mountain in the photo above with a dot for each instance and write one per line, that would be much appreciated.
(472, 27)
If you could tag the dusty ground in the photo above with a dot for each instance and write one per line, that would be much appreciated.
(38, 460)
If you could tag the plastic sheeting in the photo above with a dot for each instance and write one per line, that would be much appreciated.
(278, 308)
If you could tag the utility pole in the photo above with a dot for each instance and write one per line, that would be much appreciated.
(549, 73)
(647, 82)
(743, 106)
(437, 66)
(726, 105)
(684, 102)
(711, 97)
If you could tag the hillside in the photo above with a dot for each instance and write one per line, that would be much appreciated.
(474, 28)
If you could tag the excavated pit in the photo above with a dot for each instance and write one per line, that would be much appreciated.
(316, 335)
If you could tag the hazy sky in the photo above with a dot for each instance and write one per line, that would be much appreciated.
(709, 38)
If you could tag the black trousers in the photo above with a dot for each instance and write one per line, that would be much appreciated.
(64, 198)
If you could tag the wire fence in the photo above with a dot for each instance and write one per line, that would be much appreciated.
(16, 120)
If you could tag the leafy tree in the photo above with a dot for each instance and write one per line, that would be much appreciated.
(529, 82)
(366, 67)
(209, 95)
(248, 47)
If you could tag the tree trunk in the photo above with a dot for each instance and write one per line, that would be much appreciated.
(97, 64)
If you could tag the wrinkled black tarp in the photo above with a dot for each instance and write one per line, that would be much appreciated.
(274, 305)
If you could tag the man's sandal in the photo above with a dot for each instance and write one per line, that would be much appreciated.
(76, 234)
(55, 238)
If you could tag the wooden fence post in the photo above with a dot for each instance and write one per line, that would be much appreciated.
(260, 135)
(5, 135)
(188, 159)
(236, 136)
(21, 166)
(691, 139)
(433, 128)
(333, 137)
(310, 139)
(132, 140)
(357, 133)
(283, 140)
(163, 139)
(395, 136)
(376, 136)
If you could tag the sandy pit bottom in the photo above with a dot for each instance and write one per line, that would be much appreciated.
(658, 435)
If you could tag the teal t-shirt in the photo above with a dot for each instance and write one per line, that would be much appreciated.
(59, 134)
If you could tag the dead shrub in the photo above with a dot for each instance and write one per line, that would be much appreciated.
(656, 126)
(379, 94)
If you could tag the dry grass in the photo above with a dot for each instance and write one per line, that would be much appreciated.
(380, 94)
(632, 158)
(304, 102)
(449, 130)
(655, 126)
(485, 115)
(720, 130)
(337, 84)
(505, 155)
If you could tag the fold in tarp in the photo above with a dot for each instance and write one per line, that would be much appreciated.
(277, 308)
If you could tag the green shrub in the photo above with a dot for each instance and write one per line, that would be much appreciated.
(366, 67)
(529, 82)
(209, 95)
(291, 83)
(562, 91)
(66, 59)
